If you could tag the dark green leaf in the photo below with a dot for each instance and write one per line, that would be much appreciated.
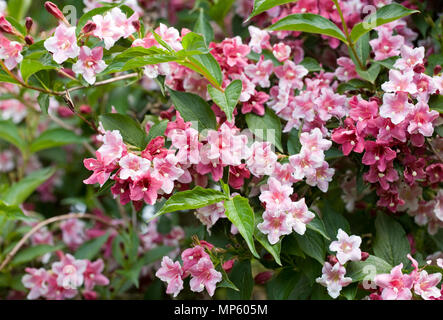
(261, 6)
(228, 99)
(90, 249)
(55, 138)
(129, 128)
(313, 244)
(311, 64)
(241, 276)
(9, 133)
(157, 130)
(31, 253)
(266, 127)
(43, 102)
(203, 27)
(366, 270)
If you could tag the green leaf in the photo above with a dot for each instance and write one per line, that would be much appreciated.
(317, 225)
(313, 244)
(203, 27)
(43, 102)
(55, 138)
(266, 127)
(227, 100)
(191, 199)
(311, 64)
(35, 62)
(369, 74)
(206, 65)
(294, 145)
(220, 9)
(16, 24)
(12, 212)
(9, 133)
(18, 8)
(333, 220)
(362, 48)
(387, 63)
(194, 109)
(391, 243)
(226, 282)
(283, 284)
(90, 249)
(353, 85)
(308, 22)
(157, 130)
(261, 6)
(240, 213)
(383, 15)
(434, 60)
(194, 42)
(366, 270)
(268, 55)
(31, 253)
(241, 276)
(436, 102)
(129, 128)
(21, 190)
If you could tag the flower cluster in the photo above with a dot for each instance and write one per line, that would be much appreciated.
(197, 264)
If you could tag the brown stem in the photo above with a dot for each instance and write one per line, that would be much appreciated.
(46, 222)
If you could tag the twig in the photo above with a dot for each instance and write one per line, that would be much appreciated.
(46, 222)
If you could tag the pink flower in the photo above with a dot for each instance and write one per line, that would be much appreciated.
(235, 52)
(145, 188)
(361, 111)
(330, 104)
(275, 194)
(410, 57)
(384, 178)
(113, 147)
(346, 71)
(259, 39)
(304, 106)
(299, 215)
(89, 63)
(283, 173)
(321, 177)
(63, 44)
(73, 232)
(275, 224)
(425, 86)
(205, 276)
(209, 215)
(304, 164)
(347, 247)
(69, 272)
(171, 273)
(187, 143)
(101, 172)
(314, 142)
(191, 257)
(290, 75)
(396, 285)
(281, 51)
(261, 72)
(57, 292)
(256, 103)
(395, 106)
(107, 30)
(6, 161)
(379, 154)
(170, 35)
(333, 277)
(348, 137)
(262, 160)
(93, 275)
(421, 119)
(386, 45)
(237, 175)
(400, 81)
(426, 285)
(10, 52)
(167, 171)
(37, 281)
(133, 166)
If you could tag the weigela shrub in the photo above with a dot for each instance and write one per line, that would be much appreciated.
(304, 137)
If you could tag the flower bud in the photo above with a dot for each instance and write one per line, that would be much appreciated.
(227, 266)
(55, 11)
(136, 25)
(437, 69)
(85, 109)
(29, 40)
(89, 27)
(419, 68)
(332, 259)
(5, 26)
(28, 24)
(69, 71)
(376, 99)
(364, 256)
(263, 277)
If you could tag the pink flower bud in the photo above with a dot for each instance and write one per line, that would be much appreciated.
(136, 25)
(29, 40)
(332, 259)
(89, 27)
(227, 266)
(68, 71)
(206, 245)
(28, 24)
(263, 277)
(64, 112)
(419, 68)
(85, 109)
(437, 69)
(54, 10)
(364, 256)
(5, 26)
